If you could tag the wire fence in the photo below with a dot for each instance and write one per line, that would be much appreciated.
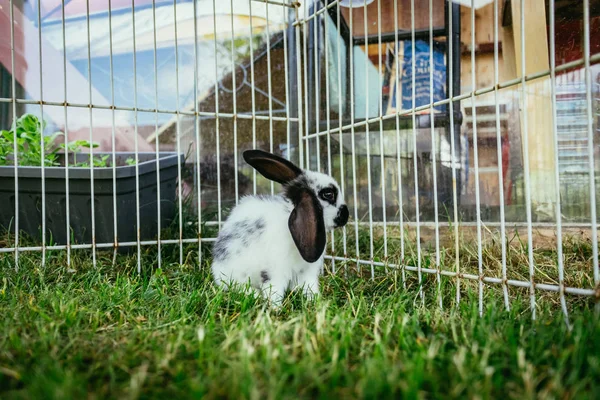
(437, 118)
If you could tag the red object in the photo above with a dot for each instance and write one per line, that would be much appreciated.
(5, 42)
(569, 40)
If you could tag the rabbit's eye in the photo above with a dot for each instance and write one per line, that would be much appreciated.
(328, 195)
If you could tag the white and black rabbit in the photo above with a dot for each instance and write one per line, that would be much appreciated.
(276, 243)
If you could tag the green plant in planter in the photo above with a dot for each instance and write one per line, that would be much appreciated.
(28, 132)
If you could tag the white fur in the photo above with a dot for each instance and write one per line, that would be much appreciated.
(318, 181)
(255, 245)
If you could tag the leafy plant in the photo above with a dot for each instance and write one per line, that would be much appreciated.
(98, 162)
(26, 136)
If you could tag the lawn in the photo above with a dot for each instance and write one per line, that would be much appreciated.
(105, 331)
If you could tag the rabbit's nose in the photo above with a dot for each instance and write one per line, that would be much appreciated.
(342, 217)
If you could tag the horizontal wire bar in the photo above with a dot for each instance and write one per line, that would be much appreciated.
(464, 96)
(149, 110)
(511, 282)
(278, 3)
(485, 279)
(493, 224)
(105, 245)
(469, 224)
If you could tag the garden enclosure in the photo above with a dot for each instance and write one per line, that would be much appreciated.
(447, 122)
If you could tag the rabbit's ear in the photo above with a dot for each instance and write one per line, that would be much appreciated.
(307, 226)
(271, 166)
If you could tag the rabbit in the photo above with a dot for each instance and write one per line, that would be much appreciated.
(276, 243)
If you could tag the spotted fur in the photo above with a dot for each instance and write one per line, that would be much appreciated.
(277, 242)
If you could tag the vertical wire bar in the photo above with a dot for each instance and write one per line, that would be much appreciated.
(499, 156)
(269, 89)
(526, 164)
(453, 151)
(353, 139)
(197, 136)
(306, 36)
(590, 128)
(157, 150)
(476, 159)
(328, 121)
(113, 133)
(217, 141)
(92, 203)
(415, 164)
(398, 144)
(559, 239)
(381, 147)
(136, 145)
(42, 144)
(178, 130)
(340, 122)
(234, 94)
(298, 86)
(433, 160)
(67, 201)
(14, 112)
(285, 11)
(368, 140)
(316, 62)
(253, 93)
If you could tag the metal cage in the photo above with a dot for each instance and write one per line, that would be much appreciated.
(442, 120)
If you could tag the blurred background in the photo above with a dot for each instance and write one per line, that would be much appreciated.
(199, 63)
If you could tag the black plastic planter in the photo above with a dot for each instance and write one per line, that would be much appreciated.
(80, 199)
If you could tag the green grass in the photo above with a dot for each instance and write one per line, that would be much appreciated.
(106, 332)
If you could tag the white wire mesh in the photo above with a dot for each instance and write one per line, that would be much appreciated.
(283, 75)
